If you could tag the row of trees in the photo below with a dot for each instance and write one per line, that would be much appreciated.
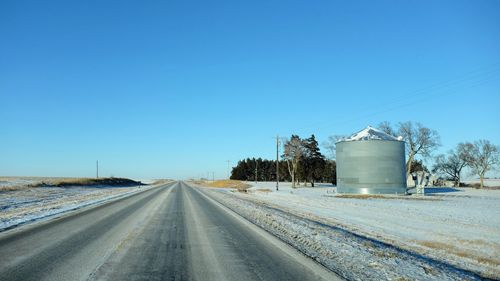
(303, 160)
(252, 169)
(480, 157)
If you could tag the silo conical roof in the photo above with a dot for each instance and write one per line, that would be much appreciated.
(370, 133)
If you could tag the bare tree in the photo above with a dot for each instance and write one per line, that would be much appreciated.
(483, 156)
(294, 149)
(386, 127)
(419, 140)
(451, 165)
(331, 145)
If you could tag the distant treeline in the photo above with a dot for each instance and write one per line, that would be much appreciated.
(302, 162)
(265, 170)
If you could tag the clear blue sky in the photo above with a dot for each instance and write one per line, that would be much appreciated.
(176, 88)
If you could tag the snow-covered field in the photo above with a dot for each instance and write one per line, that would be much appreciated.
(434, 236)
(32, 204)
(487, 182)
(18, 181)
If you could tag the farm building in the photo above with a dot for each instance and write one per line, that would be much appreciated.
(371, 162)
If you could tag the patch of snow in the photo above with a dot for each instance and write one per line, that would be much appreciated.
(16, 181)
(370, 133)
(487, 182)
(350, 255)
(32, 204)
(460, 227)
(146, 181)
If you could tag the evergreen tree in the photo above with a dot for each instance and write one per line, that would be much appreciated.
(330, 172)
(266, 170)
(313, 162)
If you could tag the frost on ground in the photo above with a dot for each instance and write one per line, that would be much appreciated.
(30, 204)
(12, 182)
(445, 236)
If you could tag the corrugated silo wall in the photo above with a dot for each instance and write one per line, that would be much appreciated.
(371, 167)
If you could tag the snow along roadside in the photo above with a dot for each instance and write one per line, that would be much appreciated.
(350, 255)
(66, 201)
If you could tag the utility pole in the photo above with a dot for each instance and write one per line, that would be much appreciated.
(97, 168)
(228, 161)
(213, 176)
(277, 162)
(256, 170)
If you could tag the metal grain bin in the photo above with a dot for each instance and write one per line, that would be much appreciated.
(371, 162)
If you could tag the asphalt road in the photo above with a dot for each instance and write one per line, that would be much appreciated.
(172, 232)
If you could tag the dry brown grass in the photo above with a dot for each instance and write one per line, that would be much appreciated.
(161, 181)
(13, 187)
(379, 196)
(456, 250)
(378, 251)
(198, 182)
(265, 190)
(239, 185)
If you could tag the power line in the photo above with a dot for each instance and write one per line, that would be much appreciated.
(477, 77)
(403, 105)
(277, 162)
(256, 169)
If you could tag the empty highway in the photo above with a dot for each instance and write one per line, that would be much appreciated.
(171, 232)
